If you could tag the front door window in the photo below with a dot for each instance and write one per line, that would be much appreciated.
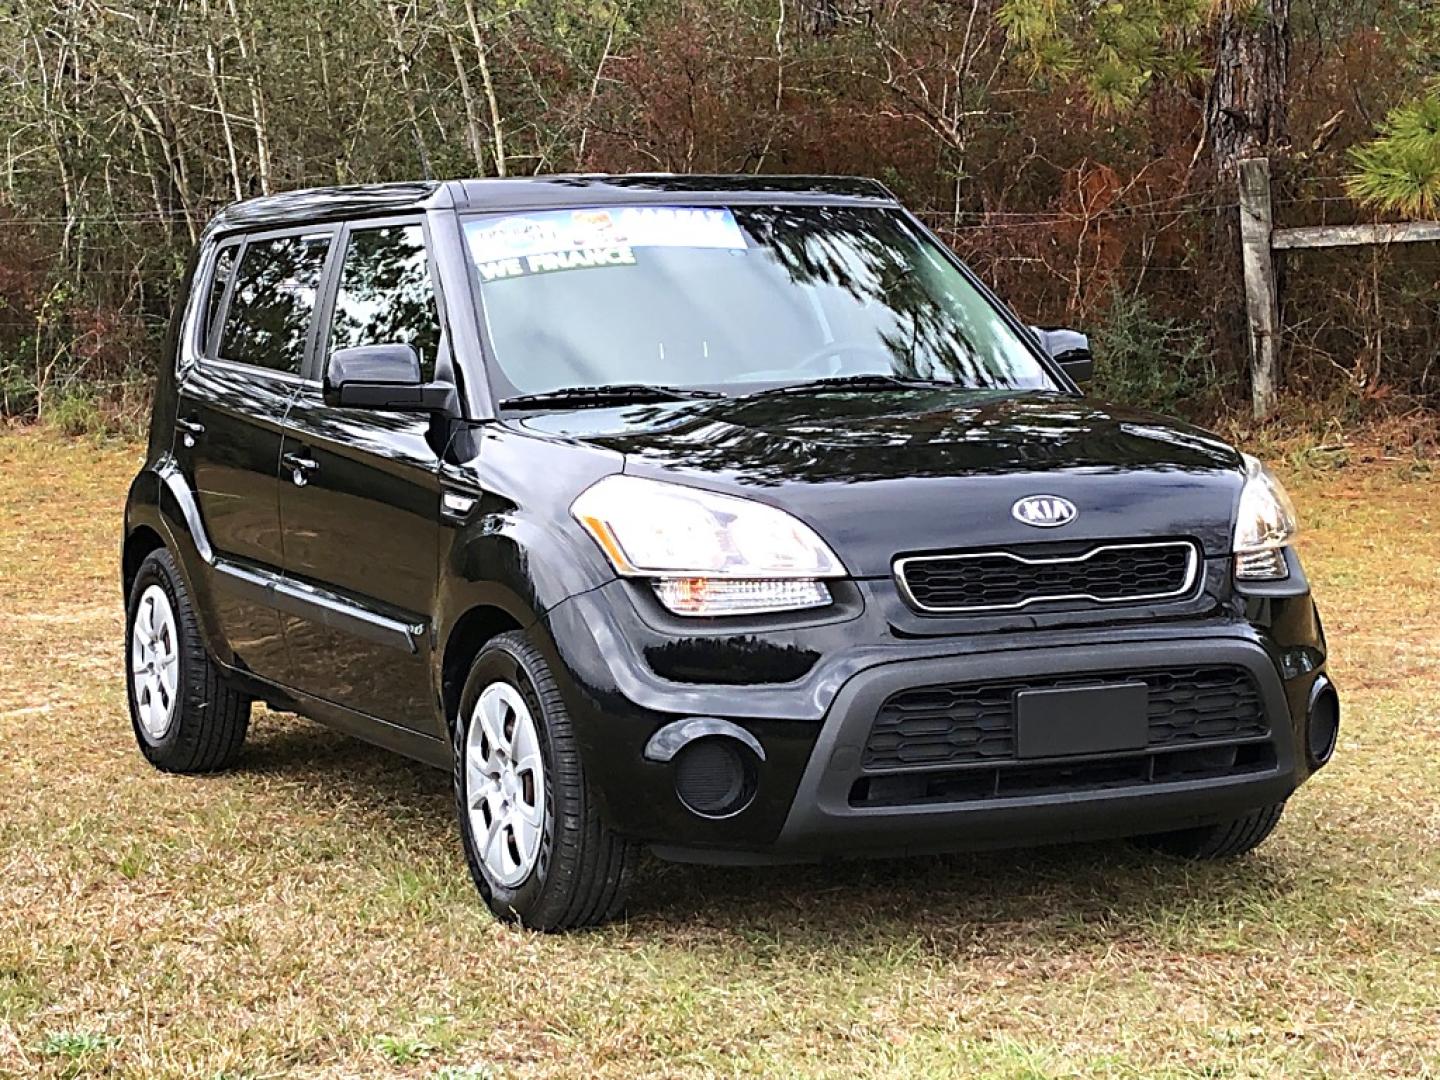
(385, 296)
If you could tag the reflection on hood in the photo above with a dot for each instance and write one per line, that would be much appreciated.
(855, 437)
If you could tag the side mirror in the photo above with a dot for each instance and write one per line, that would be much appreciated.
(385, 377)
(1071, 350)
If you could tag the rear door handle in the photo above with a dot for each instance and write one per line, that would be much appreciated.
(300, 466)
(189, 429)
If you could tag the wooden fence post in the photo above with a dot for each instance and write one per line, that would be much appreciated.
(1262, 304)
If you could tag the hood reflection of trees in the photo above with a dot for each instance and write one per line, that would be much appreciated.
(861, 437)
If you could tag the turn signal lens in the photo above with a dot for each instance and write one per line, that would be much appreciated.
(1261, 565)
(738, 596)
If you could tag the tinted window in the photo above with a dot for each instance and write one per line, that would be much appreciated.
(219, 281)
(735, 298)
(269, 316)
(385, 296)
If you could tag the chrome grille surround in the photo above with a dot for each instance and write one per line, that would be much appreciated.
(902, 567)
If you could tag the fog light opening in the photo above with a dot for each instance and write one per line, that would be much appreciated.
(1323, 725)
(715, 776)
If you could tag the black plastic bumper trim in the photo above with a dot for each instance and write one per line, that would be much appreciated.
(821, 818)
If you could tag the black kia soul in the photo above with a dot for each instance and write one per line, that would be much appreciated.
(728, 517)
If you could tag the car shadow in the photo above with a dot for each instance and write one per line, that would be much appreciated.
(1107, 891)
(324, 767)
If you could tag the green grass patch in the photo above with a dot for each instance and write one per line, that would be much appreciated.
(308, 914)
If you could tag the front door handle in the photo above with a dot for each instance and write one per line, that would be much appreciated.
(300, 466)
(189, 429)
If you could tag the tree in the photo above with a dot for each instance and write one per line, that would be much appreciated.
(1246, 110)
(1117, 51)
(1400, 170)
(1055, 143)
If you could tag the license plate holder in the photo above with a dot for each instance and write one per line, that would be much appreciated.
(1073, 721)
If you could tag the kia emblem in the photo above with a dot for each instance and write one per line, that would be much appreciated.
(1044, 511)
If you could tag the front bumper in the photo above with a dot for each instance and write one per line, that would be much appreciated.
(822, 819)
(814, 727)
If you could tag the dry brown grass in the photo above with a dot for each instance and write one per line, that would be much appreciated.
(309, 914)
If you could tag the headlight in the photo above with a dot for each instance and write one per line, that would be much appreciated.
(707, 554)
(1264, 526)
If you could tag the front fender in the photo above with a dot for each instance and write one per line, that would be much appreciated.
(142, 511)
(522, 567)
(516, 550)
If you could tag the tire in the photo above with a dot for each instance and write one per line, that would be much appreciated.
(548, 861)
(200, 722)
(1226, 840)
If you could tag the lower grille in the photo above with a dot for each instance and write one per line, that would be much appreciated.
(973, 785)
(973, 723)
(1008, 581)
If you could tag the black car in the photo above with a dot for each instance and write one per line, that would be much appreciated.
(730, 517)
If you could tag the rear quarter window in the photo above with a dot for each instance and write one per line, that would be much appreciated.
(268, 322)
(223, 270)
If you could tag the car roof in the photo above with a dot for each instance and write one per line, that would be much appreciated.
(541, 193)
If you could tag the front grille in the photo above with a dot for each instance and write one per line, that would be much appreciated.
(1006, 581)
(973, 723)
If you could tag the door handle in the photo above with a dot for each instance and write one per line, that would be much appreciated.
(189, 429)
(300, 466)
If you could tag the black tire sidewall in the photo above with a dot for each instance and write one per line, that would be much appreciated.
(157, 569)
(1223, 840)
(500, 662)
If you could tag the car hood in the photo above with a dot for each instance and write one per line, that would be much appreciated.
(885, 474)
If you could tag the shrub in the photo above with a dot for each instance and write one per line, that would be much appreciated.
(1154, 362)
(74, 410)
(19, 396)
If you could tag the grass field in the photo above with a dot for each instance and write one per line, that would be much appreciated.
(309, 914)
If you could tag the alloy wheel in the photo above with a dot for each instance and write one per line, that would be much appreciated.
(155, 662)
(505, 784)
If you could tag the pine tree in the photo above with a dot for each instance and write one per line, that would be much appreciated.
(1400, 169)
(1115, 50)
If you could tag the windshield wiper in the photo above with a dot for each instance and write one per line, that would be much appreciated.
(859, 382)
(607, 394)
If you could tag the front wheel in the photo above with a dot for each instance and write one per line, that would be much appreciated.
(1225, 840)
(532, 833)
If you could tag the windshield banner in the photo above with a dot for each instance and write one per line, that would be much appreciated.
(555, 231)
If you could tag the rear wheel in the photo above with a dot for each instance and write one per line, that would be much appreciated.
(1225, 840)
(531, 831)
(186, 718)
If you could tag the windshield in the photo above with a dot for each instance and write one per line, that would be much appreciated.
(733, 299)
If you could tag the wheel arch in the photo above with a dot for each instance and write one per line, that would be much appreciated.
(139, 543)
(161, 512)
(502, 572)
(471, 632)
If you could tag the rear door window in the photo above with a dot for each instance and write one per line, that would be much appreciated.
(268, 321)
(385, 296)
